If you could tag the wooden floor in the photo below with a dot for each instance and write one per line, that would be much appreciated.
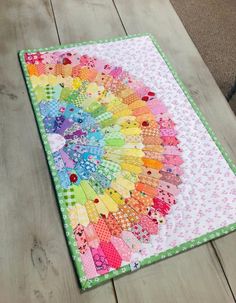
(34, 261)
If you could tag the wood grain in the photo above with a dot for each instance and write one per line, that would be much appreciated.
(86, 20)
(194, 276)
(34, 261)
(226, 248)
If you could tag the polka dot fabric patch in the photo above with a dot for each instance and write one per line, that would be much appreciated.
(116, 150)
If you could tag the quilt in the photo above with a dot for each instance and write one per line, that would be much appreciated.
(138, 172)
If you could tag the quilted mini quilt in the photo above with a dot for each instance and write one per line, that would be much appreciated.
(138, 172)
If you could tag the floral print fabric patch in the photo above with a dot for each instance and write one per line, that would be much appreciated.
(115, 154)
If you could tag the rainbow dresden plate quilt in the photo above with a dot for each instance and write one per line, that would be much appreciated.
(138, 172)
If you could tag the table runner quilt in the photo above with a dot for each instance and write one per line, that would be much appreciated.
(139, 174)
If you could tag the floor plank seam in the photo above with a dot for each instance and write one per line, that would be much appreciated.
(55, 21)
(223, 270)
(114, 289)
(118, 13)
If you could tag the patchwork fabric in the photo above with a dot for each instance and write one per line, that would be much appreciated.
(133, 174)
(69, 196)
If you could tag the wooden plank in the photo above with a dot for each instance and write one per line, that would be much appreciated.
(34, 261)
(160, 19)
(226, 248)
(86, 20)
(194, 276)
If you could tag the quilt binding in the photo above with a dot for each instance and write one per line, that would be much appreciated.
(88, 283)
